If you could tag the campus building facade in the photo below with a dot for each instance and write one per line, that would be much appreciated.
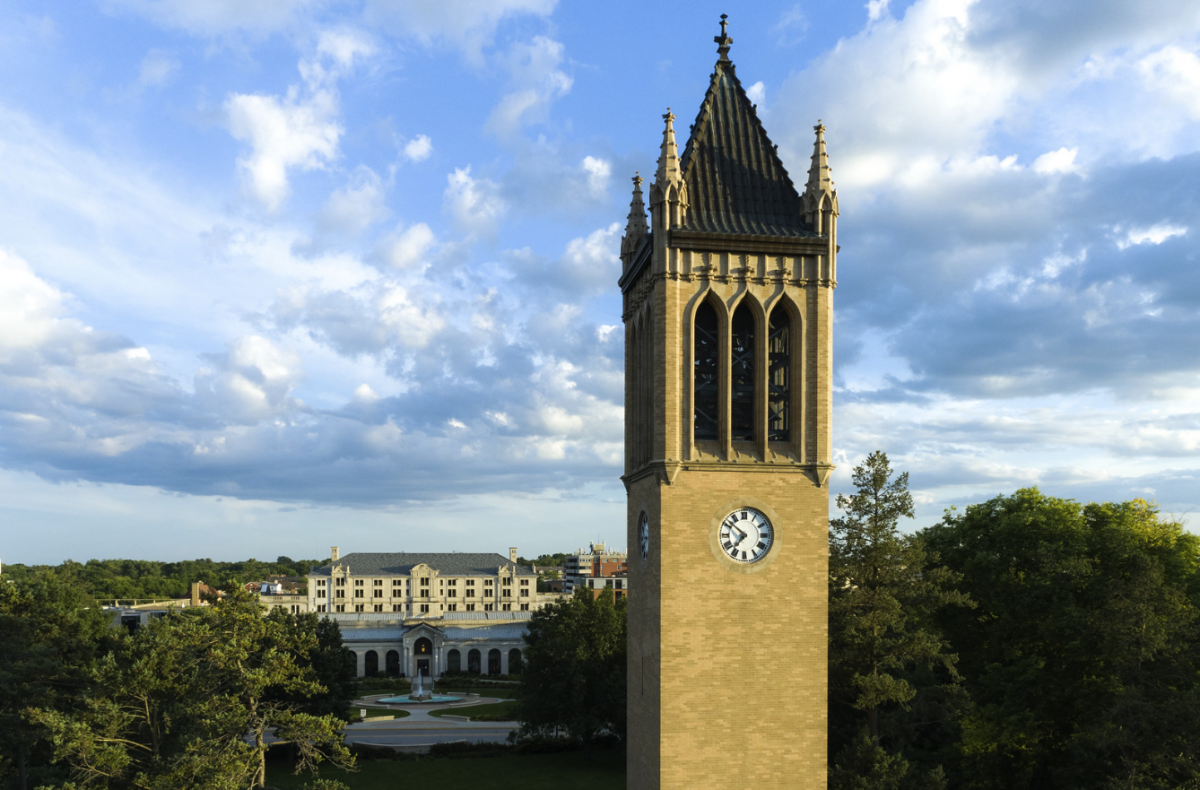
(428, 613)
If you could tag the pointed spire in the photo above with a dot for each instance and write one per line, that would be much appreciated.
(723, 40)
(635, 228)
(820, 195)
(668, 158)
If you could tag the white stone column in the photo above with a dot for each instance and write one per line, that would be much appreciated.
(362, 662)
(504, 660)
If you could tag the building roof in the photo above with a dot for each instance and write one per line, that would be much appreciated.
(735, 180)
(401, 564)
(509, 631)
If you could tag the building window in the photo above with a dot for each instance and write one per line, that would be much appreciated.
(470, 607)
(320, 593)
(704, 377)
(469, 593)
(358, 607)
(524, 582)
(524, 593)
(397, 582)
(340, 593)
(488, 607)
(358, 582)
(320, 582)
(397, 607)
(453, 607)
(379, 607)
(779, 376)
(425, 581)
(507, 581)
(507, 607)
(341, 607)
(470, 582)
(424, 608)
(320, 607)
(741, 350)
(379, 593)
(453, 593)
(358, 593)
(524, 607)
(378, 583)
(341, 582)
(451, 582)
(487, 582)
(424, 593)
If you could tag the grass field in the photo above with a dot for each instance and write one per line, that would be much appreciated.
(605, 771)
(496, 711)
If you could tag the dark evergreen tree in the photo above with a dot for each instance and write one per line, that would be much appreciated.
(892, 681)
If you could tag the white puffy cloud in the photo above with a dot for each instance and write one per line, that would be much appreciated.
(419, 148)
(345, 46)
(598, 171)
(1060, 161)
(410, 247)
(475, 204)
(535, 80)
(356, 206)
(283, 132)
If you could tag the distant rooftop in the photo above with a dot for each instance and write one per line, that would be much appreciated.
(402, 564)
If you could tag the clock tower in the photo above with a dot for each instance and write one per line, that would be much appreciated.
(728, 311)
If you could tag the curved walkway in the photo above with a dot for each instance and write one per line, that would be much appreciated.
(419, 729)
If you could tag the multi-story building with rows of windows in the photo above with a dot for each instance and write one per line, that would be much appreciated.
(429, 613)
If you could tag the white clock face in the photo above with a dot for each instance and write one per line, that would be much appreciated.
(644, 536)
(746, 535)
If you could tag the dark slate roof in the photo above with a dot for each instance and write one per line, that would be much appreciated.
(736, 182)
(401, 564)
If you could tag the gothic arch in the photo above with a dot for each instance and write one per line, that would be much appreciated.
(707, 325)
(745, 362)
(782, 361)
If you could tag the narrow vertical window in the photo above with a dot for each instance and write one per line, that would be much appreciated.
(741, 350)
(779, 377)
(705, 382)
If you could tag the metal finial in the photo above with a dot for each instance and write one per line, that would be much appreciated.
(723, 40)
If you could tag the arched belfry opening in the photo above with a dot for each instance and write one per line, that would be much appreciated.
(742, 351)
(779, 375)
(705, 385)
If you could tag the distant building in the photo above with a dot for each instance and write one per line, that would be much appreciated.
(597, 584)
(594, 562)
(433, 613)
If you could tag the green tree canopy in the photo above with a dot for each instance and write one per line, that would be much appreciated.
(1082, 656)
(573, 678)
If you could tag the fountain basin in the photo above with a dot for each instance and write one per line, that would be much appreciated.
(406, 700)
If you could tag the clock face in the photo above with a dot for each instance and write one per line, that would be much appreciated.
(644, 536)
(746, 535)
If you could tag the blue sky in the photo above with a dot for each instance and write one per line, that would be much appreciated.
(277, 275)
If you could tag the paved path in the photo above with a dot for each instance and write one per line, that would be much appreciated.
(419, 728)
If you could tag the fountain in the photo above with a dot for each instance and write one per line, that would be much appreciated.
(420, 694)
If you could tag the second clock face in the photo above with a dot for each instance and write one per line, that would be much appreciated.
(644, 536)
(746, 535)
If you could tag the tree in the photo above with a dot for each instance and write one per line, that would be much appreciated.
(189, 701)
(573, 675)
(1082, 658)
(887, 659)
(51, 631)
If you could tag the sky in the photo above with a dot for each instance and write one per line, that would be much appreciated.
(277, 275)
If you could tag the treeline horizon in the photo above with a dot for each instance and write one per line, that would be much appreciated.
(124, 579)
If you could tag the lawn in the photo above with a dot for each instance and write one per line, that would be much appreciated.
(605, 771)
(496, 711)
